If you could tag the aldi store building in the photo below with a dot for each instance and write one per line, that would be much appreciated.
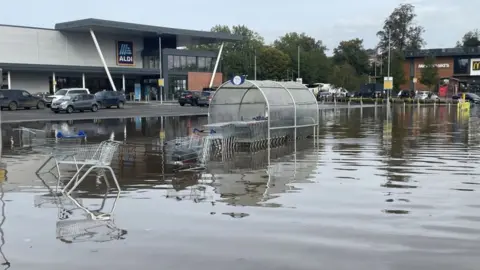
(99, 54)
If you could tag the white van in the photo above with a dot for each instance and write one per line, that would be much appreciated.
(67, 92)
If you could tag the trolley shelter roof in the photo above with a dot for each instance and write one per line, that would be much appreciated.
(277, 101)
(184, 37)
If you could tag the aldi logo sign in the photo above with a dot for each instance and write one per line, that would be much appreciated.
(125, 53)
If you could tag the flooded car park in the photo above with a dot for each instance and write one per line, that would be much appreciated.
(371, 193)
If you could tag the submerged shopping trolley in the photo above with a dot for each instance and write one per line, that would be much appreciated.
(190, 150)
(91, 157)
(93, 226)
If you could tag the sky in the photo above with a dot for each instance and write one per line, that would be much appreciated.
(445, 21)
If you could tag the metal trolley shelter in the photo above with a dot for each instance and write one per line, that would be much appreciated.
(263, 113)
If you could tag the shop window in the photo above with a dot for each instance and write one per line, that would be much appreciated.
(170, 62)
(202, 64)
(191, 63)
(461, 65)
(176, 63)
(183, 63)
(208, 64)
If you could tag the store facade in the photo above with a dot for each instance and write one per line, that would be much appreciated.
(460, 63)
(135, 56)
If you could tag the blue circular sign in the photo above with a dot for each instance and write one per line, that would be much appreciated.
(238, 80)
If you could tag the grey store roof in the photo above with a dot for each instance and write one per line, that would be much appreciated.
(184, 37)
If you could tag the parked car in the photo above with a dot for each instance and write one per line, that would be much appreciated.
(426, 95)
(406, 94)
(188, 97)
(321, 95)
(68, 92)
(108, 99)
(205, 98)
(470, 97)
(70, 104)
(17, 98)
(46, 97)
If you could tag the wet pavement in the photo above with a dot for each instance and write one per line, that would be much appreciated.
(372, 194)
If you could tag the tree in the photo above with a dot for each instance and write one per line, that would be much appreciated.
(237, 57)
(272, 63)
(471, 39)
(314, 65)
(429, 73)
(404, 33)
(353, 53)
(396, 69)
(345, 76)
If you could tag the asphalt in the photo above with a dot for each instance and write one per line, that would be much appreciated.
(144, 110)
(130, 110)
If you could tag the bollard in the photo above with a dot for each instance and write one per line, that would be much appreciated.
(404, 106)
(361, 101)
(349, 103)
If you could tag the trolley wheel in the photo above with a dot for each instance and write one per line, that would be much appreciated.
(94, 108)
(69, 109)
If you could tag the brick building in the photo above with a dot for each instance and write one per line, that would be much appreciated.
(460, 63)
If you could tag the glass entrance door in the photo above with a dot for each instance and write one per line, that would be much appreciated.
(176, 84)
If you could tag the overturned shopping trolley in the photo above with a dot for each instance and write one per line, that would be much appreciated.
(93, 226)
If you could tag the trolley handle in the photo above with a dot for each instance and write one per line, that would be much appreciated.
(196, 130)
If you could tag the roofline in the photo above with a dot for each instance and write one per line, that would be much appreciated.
(27, 27)
(443, 52)
(143, 28)
(76, 69)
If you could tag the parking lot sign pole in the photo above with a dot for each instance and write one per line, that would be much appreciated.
(160, 87)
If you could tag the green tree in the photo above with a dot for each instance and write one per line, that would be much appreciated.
(314, 65)
(396, 69)
(345, 75)
(353, 53)
(237, 57)
(272, 63)
(429, 74)
(471, 39)
(401, 28)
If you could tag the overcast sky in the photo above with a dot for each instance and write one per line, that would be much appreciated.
(445, 21)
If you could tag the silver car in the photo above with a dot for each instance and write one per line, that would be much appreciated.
(85, 102)
(426, 95)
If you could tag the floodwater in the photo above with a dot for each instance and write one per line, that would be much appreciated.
(371, 194)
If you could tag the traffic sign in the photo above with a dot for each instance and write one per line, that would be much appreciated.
(161, 82)
(388, 83)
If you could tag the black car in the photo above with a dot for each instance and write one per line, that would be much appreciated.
(188, 97)
(470, 97)
(108, 99)
(17, 98)
(205, 98)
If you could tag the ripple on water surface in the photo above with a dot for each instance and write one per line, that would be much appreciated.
(372, 193)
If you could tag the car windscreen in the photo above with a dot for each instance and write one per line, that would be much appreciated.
(61, 92)
(472, 95)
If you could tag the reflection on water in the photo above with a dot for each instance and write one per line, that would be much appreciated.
(376, 192)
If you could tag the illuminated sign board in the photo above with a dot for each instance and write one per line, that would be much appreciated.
(475, 67)
(442, 65)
